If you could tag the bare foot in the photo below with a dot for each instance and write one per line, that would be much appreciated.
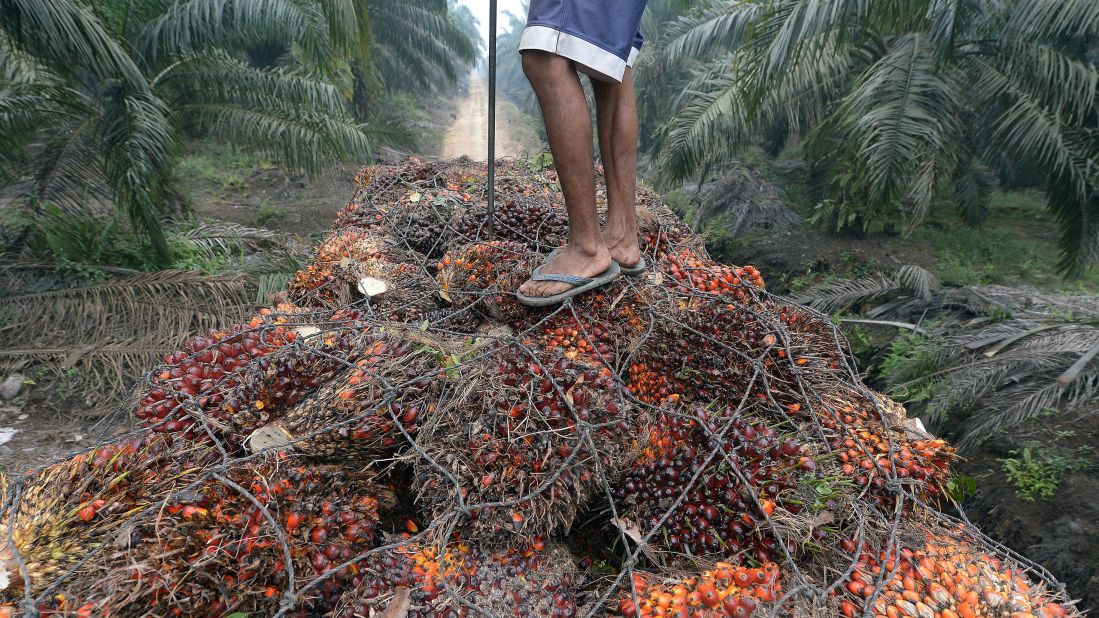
(570, 260)
(623, 248)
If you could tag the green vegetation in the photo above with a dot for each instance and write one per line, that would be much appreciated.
(1036, 473)
(905, 105)
(96, 96)
(92, 246)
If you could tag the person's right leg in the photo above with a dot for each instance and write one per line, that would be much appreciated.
(568, 126)
(616, 115)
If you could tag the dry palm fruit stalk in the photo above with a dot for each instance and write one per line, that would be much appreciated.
(941, 575)
(461, 321)
(484, 277)
(193, 382)
(533, 580)
(521, 440)
(723, 591)
(73, 508)
(355, 415)
(758, 476)
(217, 551)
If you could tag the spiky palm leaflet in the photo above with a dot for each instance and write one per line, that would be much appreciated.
(916, 96)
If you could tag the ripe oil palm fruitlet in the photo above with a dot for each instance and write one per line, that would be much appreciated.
(397, 436)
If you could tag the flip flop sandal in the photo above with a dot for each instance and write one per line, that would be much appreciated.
(579, 285)
(636, 269)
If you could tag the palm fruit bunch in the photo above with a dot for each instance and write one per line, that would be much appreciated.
(602, 330)
(363, 412)
(185, 395)
(869, 439)
(522, 441)
(281, 380)
(535, 579)
(719, 498)
(700, 352)
(323, 282)
(483, 277)
(74, 508)
(354, 265)
(380, 188)
(423, 220)
(694, 273)
(222, 547)
(938, 573)
(529, 220)
(722, 591)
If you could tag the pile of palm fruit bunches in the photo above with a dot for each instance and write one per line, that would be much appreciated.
(396, 436)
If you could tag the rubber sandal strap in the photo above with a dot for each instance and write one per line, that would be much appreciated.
(575, 280)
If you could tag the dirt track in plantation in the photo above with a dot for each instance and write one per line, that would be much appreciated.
(515, 136)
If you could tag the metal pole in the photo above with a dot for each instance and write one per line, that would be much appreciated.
(492, 119)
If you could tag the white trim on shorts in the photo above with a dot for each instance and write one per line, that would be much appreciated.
(589, 57)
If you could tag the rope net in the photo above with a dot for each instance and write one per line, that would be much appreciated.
(396, 436)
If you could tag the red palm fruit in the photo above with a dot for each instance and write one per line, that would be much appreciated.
(517, 581)
(541, 447)
(66, 510)
(227, 553)
(949, 575)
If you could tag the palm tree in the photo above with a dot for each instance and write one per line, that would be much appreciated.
(906, 102)
(413, 47)
(103, 90)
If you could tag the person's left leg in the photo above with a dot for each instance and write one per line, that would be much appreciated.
(616, 116)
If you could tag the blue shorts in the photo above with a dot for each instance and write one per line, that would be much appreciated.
(601, 36)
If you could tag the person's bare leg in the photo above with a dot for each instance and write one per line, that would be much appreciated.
(616, 115)
(568, 126)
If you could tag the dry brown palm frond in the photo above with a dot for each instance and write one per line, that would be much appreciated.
(995, 358)
(109, 331)
(99, 371)
(743, 201)
(161, 302)
(231, 238)
(909, 281)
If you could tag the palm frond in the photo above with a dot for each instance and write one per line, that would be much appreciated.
(922, 282)
(1054, 19)
(898, 116)
(416, 44)
(973, 194)
(719, 28)
(161, 305)
(298, 138)
(190, 26)
(215, 76)
(136, 139)
(1063, 83)
(229, 238)
(66, 37)
(847, 293)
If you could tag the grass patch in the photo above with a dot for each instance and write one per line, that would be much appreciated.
(1017, 244)
(1036, 473)
(220, 166)
(269, 213)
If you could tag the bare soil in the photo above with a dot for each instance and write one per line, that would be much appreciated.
(468, 135)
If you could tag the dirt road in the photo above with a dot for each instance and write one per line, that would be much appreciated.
(515, 136)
